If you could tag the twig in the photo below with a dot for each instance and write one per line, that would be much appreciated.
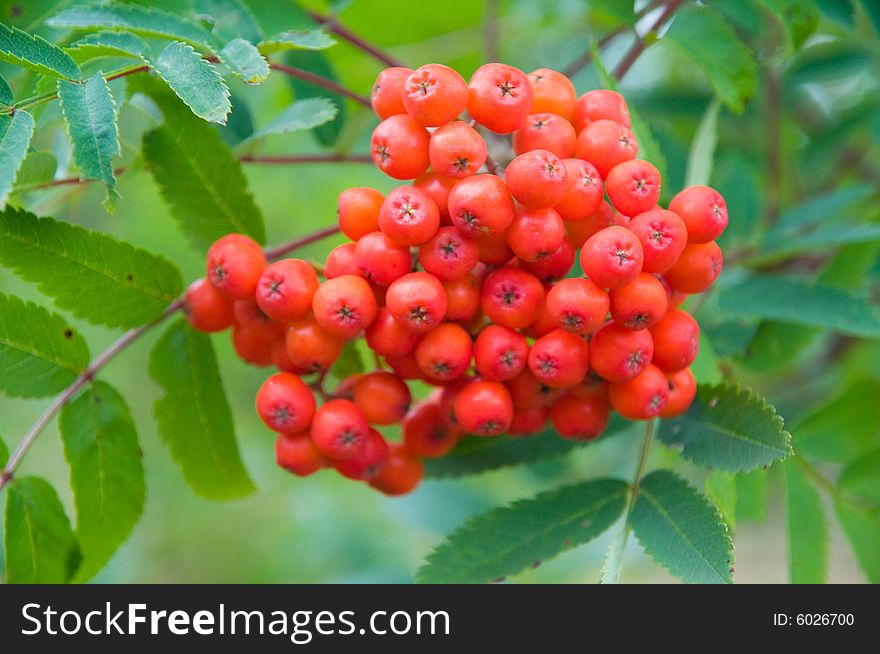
(493, 166)
(490, 29)
(333, 26)
(641, 42)
(323, 82)
(302, 241)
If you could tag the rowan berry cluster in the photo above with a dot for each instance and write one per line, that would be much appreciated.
(462, 280)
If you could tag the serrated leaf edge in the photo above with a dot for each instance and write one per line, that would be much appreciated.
(213, 70)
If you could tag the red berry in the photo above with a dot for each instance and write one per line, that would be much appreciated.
(528, 421)
(387, 94)
(298, 454)
(633, 186)
(617, 353)
(605, 144)
(663, 236)
(309, 347)
(555, 265)
(481, 206)
(676, 341)
(344, 306)
(339, 429)
(704, 212)
(578, 305)
(435, 94)
(358, 211)
(612, 257)
(281, 360)
(369, 460)
(438, 187)
(500, 97)
(682, 391)
(642, 397)
(494, 250)
(552, 92)
(544, 323)
(545, 131)
(401, 473)
(341, 261)
(697, 268)
(560, 359)
(500, 353)
(206, 308)
(409, 216)
(447, 397)
(285, 403)
(462, 298)
(512, 297)
(457, 150)
(583, 190)
(445, 352)
(253, 346)
(578, 231)
(286, 288)
(383, 398)
(405, 366)
(235, 263)
(388, 337)
(535, 234)
(536, 179)
(484, 408)
(580, 417)
(528, 392)
(417, 300)
(250, 316)
(381, 260)
(399, 147)
(425, 434)
(600, 104)
(449, 255)
(640, 303)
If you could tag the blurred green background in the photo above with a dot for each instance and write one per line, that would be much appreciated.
(327, 529)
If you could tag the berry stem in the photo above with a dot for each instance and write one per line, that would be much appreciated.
(323, 82)
(641, 42)
(115, 349)
(331, 24)
(494, 167)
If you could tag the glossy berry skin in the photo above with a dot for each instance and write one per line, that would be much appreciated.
(435, 94)
(344, 306)
(559, 359)
(253, 346)
(389, 337)
(457, 150)
(339, 429)
(543, 324)
(206, 308)
(494, 250)
(286, 288)
(536, 179)
(481, 206)
(285, 403)
(409, 216)
(341, 261)
(639, 304)
(386, 96)
(462, 298)
(618, 353)
(417, 300)
(500, 353)
(445, 352)
(663, 236)
(580, 417)
(369, 460)
(500, 97)
(697, 268)
(600, 104)
(535, 234)
(399, 147)
(438, 187)
(528, 421)
(297, 453)
(358, 211)
(682, 391)
(426, 434)
(401, 473)
(555, 265)
(310, 347)
(641, 398)
(250, 316)
(612, 257)
(380, 260)
(512, 297)
(583, 190)
(281, 360)
(704, 212)
(578, 305)
(449, 254)
(676, 341)
(234, 265)
(545, 131)
(484, 408)
(605, 144)
(633, 186)
(552, 92)
(528, 392)
(578, 231)
(405, 366)
(382, 397)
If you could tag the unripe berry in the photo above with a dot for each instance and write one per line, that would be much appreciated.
(457, 150)
(435, 94)
(641, 398)
(401, 473)
(552, 92)
(545, 131)
(339, 429)
(285, 403)
(704, 212)
(676, 339)
(310, 347)
(417, 300)
(697, 268)
(387, 94)
(560, 359)
(425, 433)
(583, 191)
(500, 97)
(380, 260)
(640, 303)
(286, 288)
(605, 144)
(484, 408)
(600, 104)
(409, 216)
(445, 352)
(682, 391)
(344, 306)
(612, 257)
(617, 353)
(399, 147)
(449, 255)
(535, 234)
(580, 417)
(298, 454)
(536, 179)
(481, 206)
(663, 236)
(500, 353)
(512, 297)
(383, 398)
(633, 186)
(578, 305)
(234, 264)
(389, 337)
(206, 308)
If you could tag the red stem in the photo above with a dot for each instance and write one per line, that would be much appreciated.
(334, 27)
(317, 80)
(641, 42)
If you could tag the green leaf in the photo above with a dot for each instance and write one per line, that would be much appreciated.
(350, 361)
(90, 274)
(15, 136)
(752, 494)
(704, 36)
(36, 53)
(862, 526)
(296, 40)
(300, 115)
(861, 478)
(231, 18)
(195, 421)
(508, 540)
(240, 126)
(823, 237)
(39, 353)
(37, 168)
(682, 530)
(194, 80)
(799, 18)
(817, 211)
(4, 453)
(244, 60)
(6, 97)
(844, 428)
(873, 12)
(799, 302)
(106, 474)
(808, 537)
(721, 487)
(612, 564)
(200, 179)
(40, 546)
(475, 455)
(316, 62)
(730, 428)
(702, 152)
(108, 44)
(145, 21)
(90, 114)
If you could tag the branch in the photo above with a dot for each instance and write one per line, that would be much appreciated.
(115, 349)
(334, 27)
(641, 42)
(317, 80)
